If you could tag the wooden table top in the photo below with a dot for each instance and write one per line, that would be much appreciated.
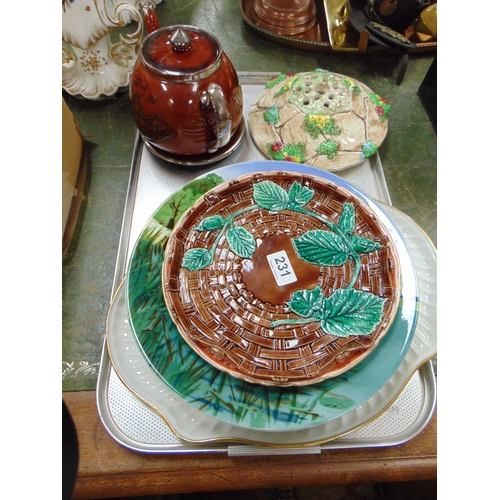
(108, 470)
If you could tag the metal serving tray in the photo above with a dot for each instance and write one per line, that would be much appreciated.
(132, 422)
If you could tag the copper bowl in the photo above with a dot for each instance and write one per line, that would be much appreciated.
(284, 17)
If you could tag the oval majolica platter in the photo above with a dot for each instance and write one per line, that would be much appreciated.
(232, 400)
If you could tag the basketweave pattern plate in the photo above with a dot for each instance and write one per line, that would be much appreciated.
(281, 278)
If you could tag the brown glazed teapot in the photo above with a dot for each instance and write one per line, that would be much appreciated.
(185, 94)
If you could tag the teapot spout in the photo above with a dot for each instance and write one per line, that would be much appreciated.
(148, 12)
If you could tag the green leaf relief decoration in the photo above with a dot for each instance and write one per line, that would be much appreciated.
(307, 303)
(328, 148)
(300, 195)
(382, 106)
(197, 258)
(241, 241)
(322, 248)
(270, 196)
(211, 223)
(352, 85)
(272, 115)
(346, 311)
(363, 245)
(288, 85)
(351, 312)
(172, 211)
(276, 80)
(287, 152)
(368, 149)
(159, 229)
(347, 222)
(316, 124)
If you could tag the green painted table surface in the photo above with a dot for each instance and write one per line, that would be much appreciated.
(408, 155)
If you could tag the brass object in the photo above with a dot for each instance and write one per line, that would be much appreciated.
(337, 14)
(426, 26)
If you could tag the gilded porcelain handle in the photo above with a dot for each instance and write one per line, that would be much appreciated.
(214, 102)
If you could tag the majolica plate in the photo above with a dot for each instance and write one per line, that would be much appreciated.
(281, 278)
(216, 393)
(193, 425)
(323, 119)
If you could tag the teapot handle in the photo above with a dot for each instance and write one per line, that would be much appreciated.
(148, 11)
(214, 102)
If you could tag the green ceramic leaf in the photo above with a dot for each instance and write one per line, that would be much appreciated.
(329, 148)
(307, 303)
(288, 85)
(368, 149)
(352, 312)
(196, 258)
(270, 195)
(363, 245)
(300, 195)
(272, 115)
(211, 223)
(321, 248)
(347, 221)
(241, 241)
(274, 81)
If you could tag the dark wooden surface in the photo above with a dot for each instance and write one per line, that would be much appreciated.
(108, 470)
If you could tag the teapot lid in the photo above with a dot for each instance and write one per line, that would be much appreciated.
(182, 52)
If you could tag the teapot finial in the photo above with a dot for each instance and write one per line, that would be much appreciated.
(181, 41)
